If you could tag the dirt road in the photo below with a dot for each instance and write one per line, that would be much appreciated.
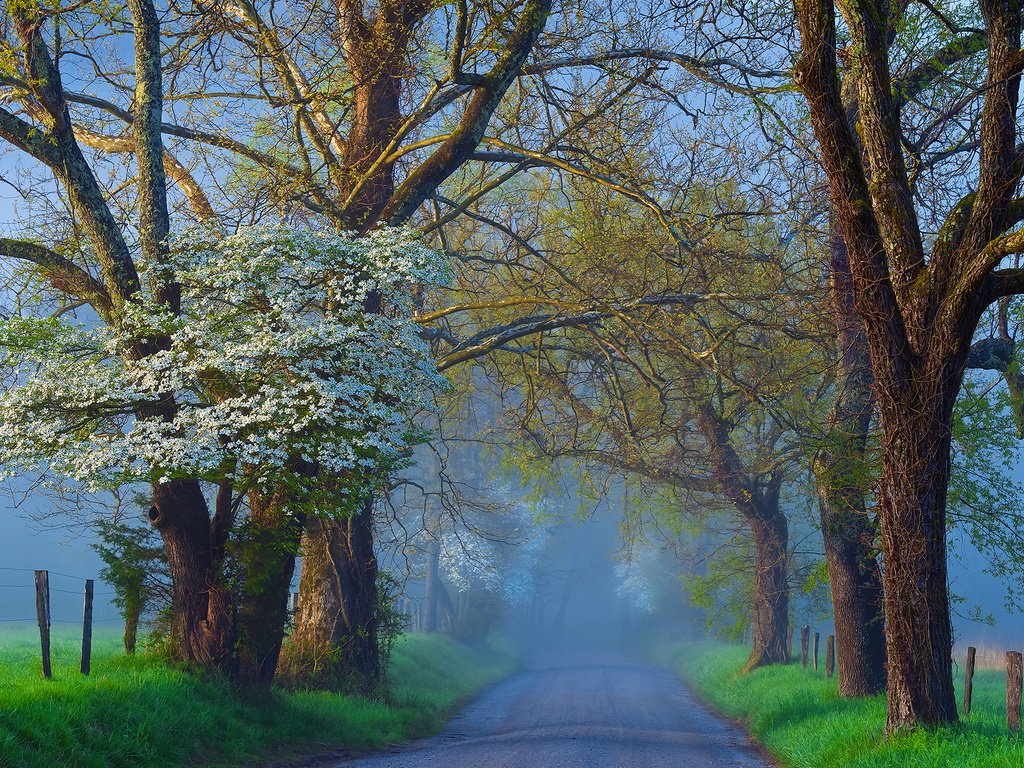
(594, 711)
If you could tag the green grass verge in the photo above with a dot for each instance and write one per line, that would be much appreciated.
(138, 712)
(800, 718)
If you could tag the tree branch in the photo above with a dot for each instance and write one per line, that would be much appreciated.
(62, 273)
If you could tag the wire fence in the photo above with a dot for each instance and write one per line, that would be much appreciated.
(44, 617)
(13, 586)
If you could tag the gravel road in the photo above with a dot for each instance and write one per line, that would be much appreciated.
(591, 711)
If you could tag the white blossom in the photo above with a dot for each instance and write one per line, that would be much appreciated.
(273, 359)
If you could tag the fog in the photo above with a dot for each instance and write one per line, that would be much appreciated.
(580, 599)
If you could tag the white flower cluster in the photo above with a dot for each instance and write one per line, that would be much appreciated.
(273, 362)
(636, 579)
(504, 562)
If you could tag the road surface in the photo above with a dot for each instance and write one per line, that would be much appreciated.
(592, 711)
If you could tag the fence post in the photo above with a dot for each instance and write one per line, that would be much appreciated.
(789, 645)
(1013, 686)
(43, 616)
(87, 628)
(969, 678)
(805, 631)
(830, 655)
(816, 636)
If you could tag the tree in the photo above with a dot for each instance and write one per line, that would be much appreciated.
(46, 133)
(920, 301)
(277, 372)
(136, 567)
(677, 391)
(357, 189)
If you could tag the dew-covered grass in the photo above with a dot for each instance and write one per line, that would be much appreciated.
(140, 712)
(798, 715)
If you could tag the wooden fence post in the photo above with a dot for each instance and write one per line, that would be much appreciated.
(830, 655)
(1013, 686)
(789, 645)
(816, 636)
(43, 616)
(87, 628)
(969, 678)
(805, 632)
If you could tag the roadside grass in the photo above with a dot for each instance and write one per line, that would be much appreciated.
(139, 712)
(798, 715)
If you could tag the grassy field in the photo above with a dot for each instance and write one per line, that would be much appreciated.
(799, 717)
(136, 712)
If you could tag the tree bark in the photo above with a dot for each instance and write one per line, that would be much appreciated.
(756, 498)
(840, 468)
(334, 641)
(770, 621)
(267, 554)
(203, 622)
(916, 466)
(132, 614)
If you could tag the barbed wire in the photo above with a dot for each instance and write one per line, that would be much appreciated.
(35, 622)
(52, 573)
(52, 589)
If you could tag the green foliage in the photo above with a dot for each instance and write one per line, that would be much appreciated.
(985, 499)
(136, 711)
(800, 718)
(135, 565)
(724, 589)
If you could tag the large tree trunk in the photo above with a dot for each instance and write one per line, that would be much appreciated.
(857, 595)
(202, 623)
(267, 555)
(376, 117)
(334, 641)
(916, 466)
(770, 621)
(840, 467)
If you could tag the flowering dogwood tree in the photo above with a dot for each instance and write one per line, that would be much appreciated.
(287, 379)
(275, 365)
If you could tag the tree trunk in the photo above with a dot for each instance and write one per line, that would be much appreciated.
(267, 557)
(840, 467)
(334, 641)
(770, 624)
(916, 466)
(756, 498)
(376, 117)
(857, 597)
(431, 603)
(202, 623)
(132, 614)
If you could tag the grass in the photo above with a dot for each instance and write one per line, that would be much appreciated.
(135, 711)
(800, 718)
